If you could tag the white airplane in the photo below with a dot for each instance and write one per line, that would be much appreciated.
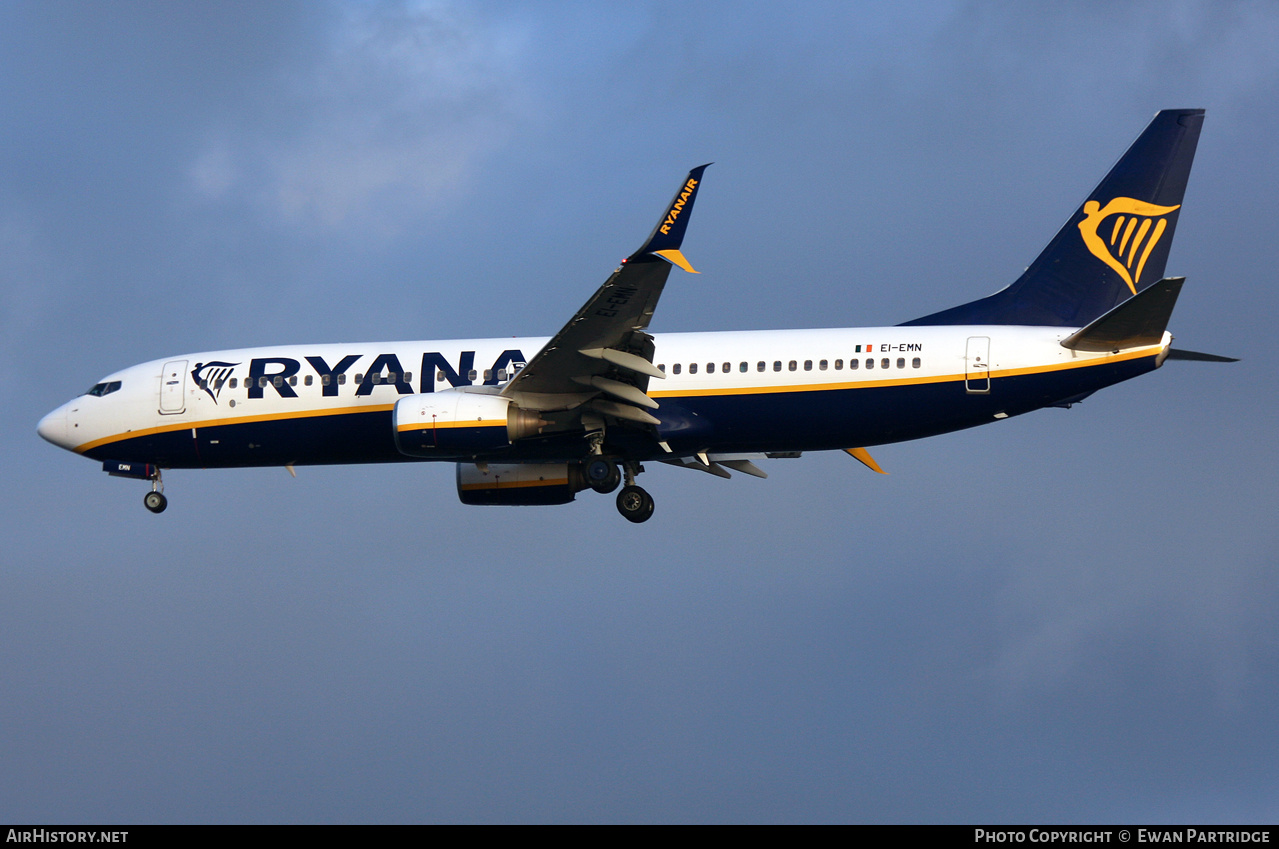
(602, 397)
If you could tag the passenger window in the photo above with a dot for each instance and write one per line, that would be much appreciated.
(390, 377)
(661, 366)
(692, 368)
(727, 367)
(342, 379)
(777, 365)
(359, 378)
(326, 379)
(488, 375)
(793, 365)
(408, 376)
(293, 380)
(439, 376)
(306, 381)
(472, 375)
(914, 363)
(870, 363)
(759, 366)
(853, 364)
(883, 363)
(675, 368)
(710, 368)
(501, 375)
(901, 362)
(808, 365)
(233, 380)
(278, 380)
(217, 384)
(839, 365)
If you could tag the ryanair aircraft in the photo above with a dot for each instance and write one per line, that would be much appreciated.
(537, 420)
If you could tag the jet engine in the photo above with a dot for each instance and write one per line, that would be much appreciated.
(441, 424)
(518, 484)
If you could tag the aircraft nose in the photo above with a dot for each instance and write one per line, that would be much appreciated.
(53, 427)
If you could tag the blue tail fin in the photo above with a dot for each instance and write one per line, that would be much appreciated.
(1115, 245)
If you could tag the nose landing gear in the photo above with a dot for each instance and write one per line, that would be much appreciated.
(155, 500)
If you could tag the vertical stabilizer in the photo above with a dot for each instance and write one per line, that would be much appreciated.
(1114, 246)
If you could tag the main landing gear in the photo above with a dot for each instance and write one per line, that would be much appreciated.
(633, 502)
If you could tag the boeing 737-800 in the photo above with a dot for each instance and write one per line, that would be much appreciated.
(537, 420)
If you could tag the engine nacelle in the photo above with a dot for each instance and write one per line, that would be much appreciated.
(519, 484)
(442, 424)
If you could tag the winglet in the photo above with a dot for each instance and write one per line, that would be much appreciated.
(668, 235)
(862, 456)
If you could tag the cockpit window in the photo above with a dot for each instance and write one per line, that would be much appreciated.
(101, 389)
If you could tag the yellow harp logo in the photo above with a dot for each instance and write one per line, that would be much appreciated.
(1125, 247)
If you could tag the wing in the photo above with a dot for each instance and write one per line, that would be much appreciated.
(602, 359)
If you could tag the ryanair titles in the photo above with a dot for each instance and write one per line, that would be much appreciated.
(284, 376)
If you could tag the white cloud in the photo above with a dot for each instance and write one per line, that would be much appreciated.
(387, 119)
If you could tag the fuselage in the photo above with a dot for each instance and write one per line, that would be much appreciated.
(774, 391)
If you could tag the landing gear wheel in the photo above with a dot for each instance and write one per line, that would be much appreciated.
(155, 502)
(603, 476)
(635, 504)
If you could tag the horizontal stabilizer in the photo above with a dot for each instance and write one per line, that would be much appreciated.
(1179, 354)
(1141, 320)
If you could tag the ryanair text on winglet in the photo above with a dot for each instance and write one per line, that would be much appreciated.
(678, 207)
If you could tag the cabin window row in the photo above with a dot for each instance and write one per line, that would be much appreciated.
(794, 365)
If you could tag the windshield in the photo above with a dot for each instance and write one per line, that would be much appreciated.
(101, 389)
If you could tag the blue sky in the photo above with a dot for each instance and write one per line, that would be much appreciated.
(1067, 616)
